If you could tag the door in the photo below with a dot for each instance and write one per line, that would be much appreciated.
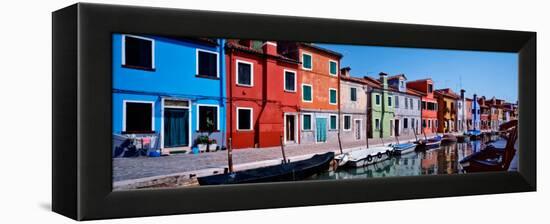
(290, 128)
(391, 128)
(396, 127)
(176, 127)
(321, 127)
(357, 129)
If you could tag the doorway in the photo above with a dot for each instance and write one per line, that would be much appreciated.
(357, 129)
(176, 127)
(321, 127)
(290, 128)
(396, 127)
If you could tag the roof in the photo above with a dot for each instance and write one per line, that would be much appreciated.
(321, 49)
(374, 83)
(447, 93)
(397, 76)
(237, 46)
(353, 79)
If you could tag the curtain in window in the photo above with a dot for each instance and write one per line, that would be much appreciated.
(176, 127)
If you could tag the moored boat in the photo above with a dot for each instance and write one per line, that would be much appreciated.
(474, 134)
(401, 149)
(364, 157)
(463, 138)
(430, 143)
(284, 172)
(448, 139)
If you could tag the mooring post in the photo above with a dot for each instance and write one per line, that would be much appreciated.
(229, 156)
(397, 139)
(340, 143)
(283, 150)
(415, 137)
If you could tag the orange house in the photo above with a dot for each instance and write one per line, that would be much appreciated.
(429, 104)
(320, 76)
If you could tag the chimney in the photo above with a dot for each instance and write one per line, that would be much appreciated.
(270, 48)
(345, 71)
(384, 79)
(462, 91)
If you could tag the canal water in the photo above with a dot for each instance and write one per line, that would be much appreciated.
(442, 160)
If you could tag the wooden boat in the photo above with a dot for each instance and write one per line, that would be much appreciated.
(284, 172)
(448, 139)
(401, 149)
(431, 143)
(364, 157)
(474, 134)
(494, 158)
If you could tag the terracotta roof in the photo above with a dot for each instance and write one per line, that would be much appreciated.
(353, 79)
(397, 76)
(415, 92)
(321, 49)
(372, 82)
(446, 92)
(237, 46)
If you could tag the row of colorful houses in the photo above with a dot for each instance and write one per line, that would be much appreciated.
(254, 92)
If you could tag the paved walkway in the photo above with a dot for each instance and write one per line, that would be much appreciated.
(127, 169)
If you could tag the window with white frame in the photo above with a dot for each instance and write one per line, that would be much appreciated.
(307, 61)
(138, 117)
(405, 123)
(244, 118)
(306, 122)
(290, 81)
(307, 93)
(353, 94)
(207, 63)
(333, 96)
(333, 67)
(245, 73)
(347, 122)
(138, 52)
(208, 118)
(333, 122)
(377, 99)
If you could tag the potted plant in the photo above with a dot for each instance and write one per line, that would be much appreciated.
(212, 145)
(202, 143)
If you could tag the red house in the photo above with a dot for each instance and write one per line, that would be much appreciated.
(484, 113)
(263, 94)
(429, 104)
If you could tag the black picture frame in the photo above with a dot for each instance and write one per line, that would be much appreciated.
(82, 171)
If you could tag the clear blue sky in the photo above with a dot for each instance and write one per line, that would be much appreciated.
(485, 73)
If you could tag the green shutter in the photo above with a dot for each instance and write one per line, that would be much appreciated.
(306, 93)
(333, 68)
(332, 96)
(306, 60)
(333, 122)
(353, 94)
(307, 122)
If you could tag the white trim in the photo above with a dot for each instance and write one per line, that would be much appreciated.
(138, 101)
(188, 107)
(251, 118)
(237, 61)
(332, 74)
(360, 128)
(344, 121)
(377, 127)
(270, 43)
(217, 114)
(197, 61)
(302, 60)
(311, 86)
(335, 90)
(295, 80)
(310, 122)
(295, 127)
(123, 49)
(329, 117)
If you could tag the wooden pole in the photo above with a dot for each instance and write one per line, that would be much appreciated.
(340, 143)
(397, 139)
(415, 137)
(382, 139)
(229, 156)
(283, 150)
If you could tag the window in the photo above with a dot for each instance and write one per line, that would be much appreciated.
(333, 122)
(411, 103)
(138, 117)
(429, 123)
(307, 63)
(412, 123)
(402, 84)
(347, 122)
(138, 52)
(208, 118)
(436, 123)
(405, 123)
(332, 96)
(245, 73)
(290, 81)
(473, 111)
(353, 94)
(418, 104)
(306, 122)
(207, 63)
(244, 118)
(389, 101)
(333, 68)
(430, 88)
(377, 99)
(423, 123)
(397, 101)
(377, 124)
(307, 93)
(423, 105)
(406, 103)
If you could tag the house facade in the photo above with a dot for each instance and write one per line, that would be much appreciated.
(263, 95)
(380, 107)
(468, 114)
(407, 107)
(447, 111)
(319, 100)
(461, 120)
(353, 107)
(172, 89)
(428, 104)
(476, 113)
(484, 114)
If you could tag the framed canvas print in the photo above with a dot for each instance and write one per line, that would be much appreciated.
(167, 111)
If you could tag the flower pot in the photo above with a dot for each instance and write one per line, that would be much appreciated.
(202, 147)
(212, 147)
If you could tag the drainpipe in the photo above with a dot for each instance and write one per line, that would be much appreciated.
(339, 110)
(223, 90)
(230, 86)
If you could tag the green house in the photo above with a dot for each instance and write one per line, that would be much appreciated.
(381, 108)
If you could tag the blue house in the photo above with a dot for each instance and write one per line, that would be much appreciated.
(476, 120)
(172, 88)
